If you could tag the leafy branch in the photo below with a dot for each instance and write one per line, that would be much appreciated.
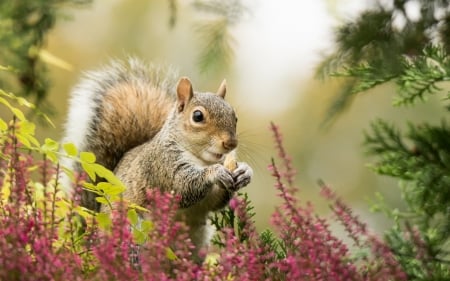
(214, 32)
(421, 75)
(23, 29)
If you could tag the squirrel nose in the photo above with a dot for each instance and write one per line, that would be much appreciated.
(230, 143)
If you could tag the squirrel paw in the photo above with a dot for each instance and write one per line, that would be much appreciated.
(222, 176)
(242, 175)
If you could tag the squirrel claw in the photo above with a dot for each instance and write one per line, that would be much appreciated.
(242, 175)
(223, 176)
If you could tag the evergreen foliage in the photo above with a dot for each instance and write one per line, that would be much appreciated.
(377, 46)
(374, 49)
(215, 32)
(24, 25)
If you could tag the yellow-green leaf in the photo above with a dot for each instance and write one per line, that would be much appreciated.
(50, 145)
(82, 211)
(3, 125)
(70, 149)
(49, 148)
(52, 156)
(104, 186)
(24, 102)
(137, 207)
(87, 157)
(89, 170)
(27, 127)
(4, 101)
(133, 216)
(212, 259)
(92, 187)
(103, 220)
(114, 198)
(170, 254)
(46, 118)
(63, 205)
(18, 113)
(107, 175)
(147, 226)
(50, 58)
(27, 139)
(101, 200)
(139, 237)
(22, 139)
(109, 188)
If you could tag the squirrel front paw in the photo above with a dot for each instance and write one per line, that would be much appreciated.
(242, 175)
(222, 176)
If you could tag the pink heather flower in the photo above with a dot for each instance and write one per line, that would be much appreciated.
(234, 203)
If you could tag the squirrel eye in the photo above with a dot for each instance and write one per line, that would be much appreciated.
(197, 116)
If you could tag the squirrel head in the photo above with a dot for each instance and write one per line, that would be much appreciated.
(207, 122)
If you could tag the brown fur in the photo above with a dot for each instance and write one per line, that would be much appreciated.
(131, 116)
(150, 139)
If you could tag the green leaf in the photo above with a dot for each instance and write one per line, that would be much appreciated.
(115, 198)
(18, 113)
(147, 226)
(27, 127)
(103, 220)
(33, 140)
(107, 175)
(110, 189)
(137, 207)
(84, 212)
(87, 157)
(3, 125)
(13, 109)
(133, 216)
(90, 186)
(4, 101)
(170, 254)
(89, 170)
(139, 237)
(102, 200)
(52, 156)
(23, 140)
(50, 145)
(70, 149)
(24, 102)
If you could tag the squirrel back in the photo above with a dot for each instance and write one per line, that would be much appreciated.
(119, 107)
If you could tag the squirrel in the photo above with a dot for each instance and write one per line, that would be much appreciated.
(155, 132)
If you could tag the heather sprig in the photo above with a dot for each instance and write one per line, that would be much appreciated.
(383, 261)
(27, 227)
(312, 251)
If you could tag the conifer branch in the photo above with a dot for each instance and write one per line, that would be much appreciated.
(215, 32)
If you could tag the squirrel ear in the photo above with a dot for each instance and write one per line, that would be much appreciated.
(222, 89)
(184, 92)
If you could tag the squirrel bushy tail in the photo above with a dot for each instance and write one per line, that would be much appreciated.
(116, 108)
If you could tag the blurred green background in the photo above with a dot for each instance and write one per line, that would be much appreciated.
(271, 77)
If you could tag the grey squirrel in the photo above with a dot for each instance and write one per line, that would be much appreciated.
(156, 133)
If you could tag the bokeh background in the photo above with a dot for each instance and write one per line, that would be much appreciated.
(278, 46)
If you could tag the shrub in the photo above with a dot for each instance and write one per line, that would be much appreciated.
(46, 236)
